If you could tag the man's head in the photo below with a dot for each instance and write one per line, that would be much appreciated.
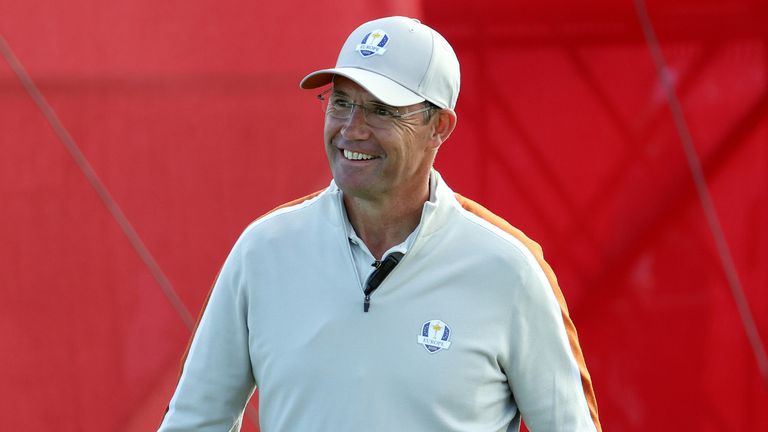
(395, 85)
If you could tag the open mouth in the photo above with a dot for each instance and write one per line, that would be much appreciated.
(357, 156)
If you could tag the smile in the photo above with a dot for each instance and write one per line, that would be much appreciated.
(357, 156)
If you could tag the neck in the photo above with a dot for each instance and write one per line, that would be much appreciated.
(386, 221)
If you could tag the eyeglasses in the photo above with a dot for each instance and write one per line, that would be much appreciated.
(375, 114)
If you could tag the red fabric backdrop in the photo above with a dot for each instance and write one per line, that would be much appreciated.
(190, 114)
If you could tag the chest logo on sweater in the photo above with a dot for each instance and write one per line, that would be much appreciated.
(435, 336)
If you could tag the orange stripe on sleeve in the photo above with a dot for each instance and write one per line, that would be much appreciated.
(573, 339)
(293, 203)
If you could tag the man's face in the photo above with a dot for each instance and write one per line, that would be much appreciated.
(389, 161)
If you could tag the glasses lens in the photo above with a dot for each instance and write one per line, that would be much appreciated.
(339, 107)
(374, 114)
(378, 115)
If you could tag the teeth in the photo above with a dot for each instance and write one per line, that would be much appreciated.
(356, 156)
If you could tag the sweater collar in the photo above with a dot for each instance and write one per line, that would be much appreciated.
(441, 202)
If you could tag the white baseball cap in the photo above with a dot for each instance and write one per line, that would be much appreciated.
(398, 60)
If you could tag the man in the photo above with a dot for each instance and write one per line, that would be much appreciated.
(385, 302)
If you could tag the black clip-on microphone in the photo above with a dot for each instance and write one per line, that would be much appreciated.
(383, 268)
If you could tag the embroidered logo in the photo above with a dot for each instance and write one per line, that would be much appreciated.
(373, 43)
(434, 336)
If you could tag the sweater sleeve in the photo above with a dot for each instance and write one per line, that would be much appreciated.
(545, 367)
(542, 370)
(217, 379)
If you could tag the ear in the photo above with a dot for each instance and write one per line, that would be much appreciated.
(444, 122)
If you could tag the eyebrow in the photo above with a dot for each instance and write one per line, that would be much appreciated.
(374, 102)
(339, 92)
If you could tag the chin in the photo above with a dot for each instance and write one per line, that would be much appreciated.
(356, 189)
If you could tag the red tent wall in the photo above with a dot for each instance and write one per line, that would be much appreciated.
(191, 116)
(566, 130)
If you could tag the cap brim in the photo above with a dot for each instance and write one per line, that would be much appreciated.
(382, 88)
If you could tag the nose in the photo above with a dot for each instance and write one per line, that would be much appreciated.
(355, 127)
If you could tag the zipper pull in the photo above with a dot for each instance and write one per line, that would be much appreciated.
(367, 302)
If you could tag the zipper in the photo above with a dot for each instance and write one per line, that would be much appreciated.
(383, 268)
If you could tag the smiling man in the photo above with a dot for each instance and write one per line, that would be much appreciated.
(386, 302)
(383, 170)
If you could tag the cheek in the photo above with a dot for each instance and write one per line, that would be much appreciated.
(329, 131)
(414, 142)
(407, 137)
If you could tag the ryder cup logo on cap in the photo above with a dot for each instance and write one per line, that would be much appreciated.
(434, 336)
(399, 61)
(373, 43)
